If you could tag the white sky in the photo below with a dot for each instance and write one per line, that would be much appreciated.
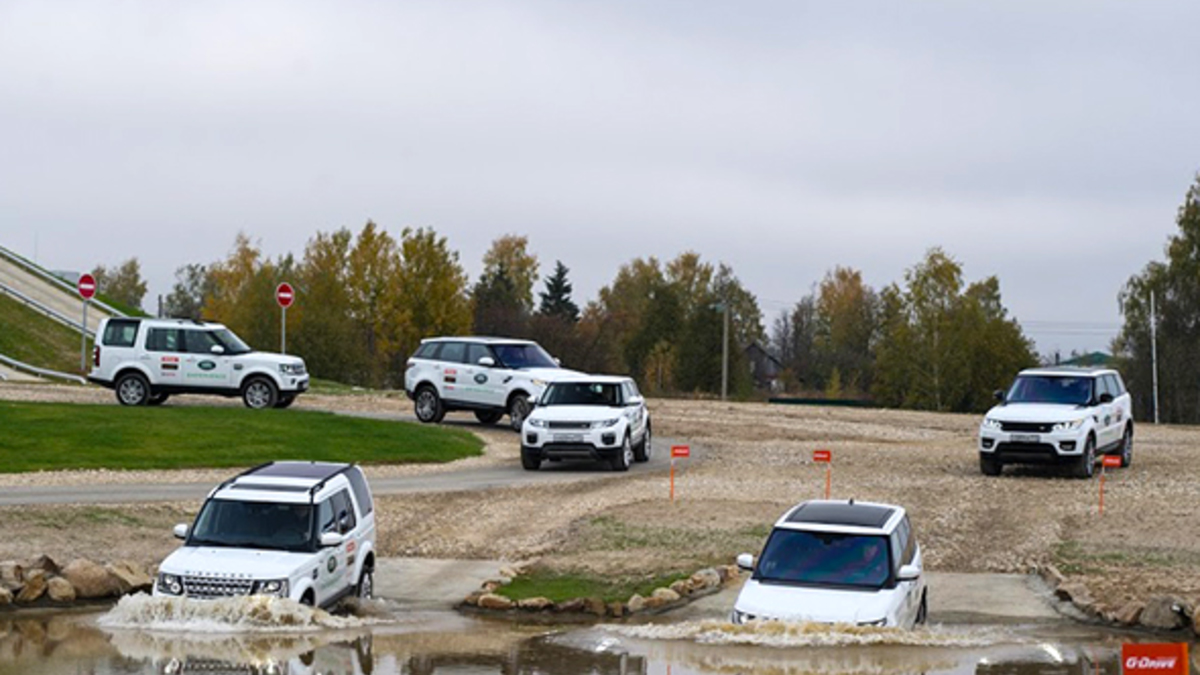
(1048, 143)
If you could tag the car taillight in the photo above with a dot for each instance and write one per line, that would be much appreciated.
(96, 356)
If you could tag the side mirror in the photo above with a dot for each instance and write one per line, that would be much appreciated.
(909, 573)
(557, 360)
(1106, 397)
(331, 539)
(745, 561)
(999, 394)
(217, 349)
(181, 531)
(487, 362)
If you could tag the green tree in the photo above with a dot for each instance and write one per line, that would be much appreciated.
(432, 287)
(503, 296)
(243, 294)
(186, 300)
(373, 306)
(509, 256)
(556, 299)
(330, 343)
(123, 283)
(844, 332)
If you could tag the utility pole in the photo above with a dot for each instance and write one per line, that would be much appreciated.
(1154, 352)
(725, 354)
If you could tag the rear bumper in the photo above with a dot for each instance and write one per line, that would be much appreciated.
(103, 383)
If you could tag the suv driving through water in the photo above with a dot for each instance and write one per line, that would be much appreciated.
(299, 530)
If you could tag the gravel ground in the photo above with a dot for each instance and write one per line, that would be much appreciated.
(756, 463)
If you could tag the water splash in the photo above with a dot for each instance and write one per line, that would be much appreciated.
(783, 635)
(228, 615)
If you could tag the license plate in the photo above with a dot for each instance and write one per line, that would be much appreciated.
(1026, 438)
(568, 438)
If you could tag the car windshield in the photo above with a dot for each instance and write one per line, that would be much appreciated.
(824, 559)
(581, 393)
(260, 525)
(519, 356)
(232, 343)
(1062, 389)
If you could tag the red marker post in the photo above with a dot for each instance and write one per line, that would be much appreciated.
(826, 457)
(1108, 461)
(677, 452)
(285, 296)
(87, 290)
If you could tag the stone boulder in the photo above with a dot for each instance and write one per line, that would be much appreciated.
(1077, 594)
(636, 604)
(683, 587)
(1164, 612)
(90, 579)
(11, 575)
(130, 577)
(616, 609)
(34, 588)
(60, 590)
(574, 606)
(1195, 619)
(493, 601)
(6, 597)
(595, 606)
(44, 563)
(705, 579)
(535, 604)
(1129, 614)
(666, 595)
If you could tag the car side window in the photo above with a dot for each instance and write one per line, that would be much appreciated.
(1114, 387)
(1105, 386)
(427, 350)
(361, 494)
(326, 522)
(476, 352)
(1119, 382)
(453, 352)
(345, 512)
(118, 333)
(199, 341)
(910, 543)
(164, 340)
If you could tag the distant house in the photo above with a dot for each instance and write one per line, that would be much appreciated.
(766, 370)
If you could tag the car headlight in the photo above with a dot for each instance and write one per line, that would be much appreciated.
(740, 618)
(541, 424)
(989, 423)
(538, 383)
(291, 368)
(604, 424)
(278, 587)
(170, 584)
(1068, 426)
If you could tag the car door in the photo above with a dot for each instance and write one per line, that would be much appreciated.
(636, 409)
(201, 366)
(480, 384)
(910, 599)
(334, 514)
(164, 355)
(1106, 412)
(449, 370)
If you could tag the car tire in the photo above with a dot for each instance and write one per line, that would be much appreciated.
(518, 410)
(157, 399)
(308, 599)
(531, 460)
(923, 610)
(132, 389)
(624, 456)
(428, 405)
(260, 393)
(365, 589)
(990, 466)
(488, 416)
(1085, 467)
(1127, 447)
(285, 401)
(643, 450)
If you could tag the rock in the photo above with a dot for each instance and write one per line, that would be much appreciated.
(473, 599)
(636, 604)
(616, 609)
(90, 579)
(1195, 619)
(130, 576)
(1076, 593)
(705, 578)
(1053, 576)
(666, 595)
(491, 585)
(60, 590)
(493, 601)
(6, 597)
(728, 572)
(11, 575)
(575, 606)
(682, 587)
(509, 573)
(537, 604)
(1163, 612)
(595, 606)
(34, 588)
(1129, 613)
(44, 563)
(653, 602)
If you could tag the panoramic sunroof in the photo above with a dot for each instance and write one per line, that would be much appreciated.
(859, 515)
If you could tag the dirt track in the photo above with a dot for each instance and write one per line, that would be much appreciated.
(756, 465)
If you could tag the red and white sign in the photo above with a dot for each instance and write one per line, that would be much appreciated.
(87, 286)
(680, 451)
(1158, 658)
(284, 295)
(822, 456)
(1112, 461)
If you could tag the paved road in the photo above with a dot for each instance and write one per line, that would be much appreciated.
(47, 293)
(450, 480)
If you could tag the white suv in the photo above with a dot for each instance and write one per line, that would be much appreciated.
(147, 360)
(491, 376)
(1058, 415)
(299, 530)
(837, 562)
(598, 418)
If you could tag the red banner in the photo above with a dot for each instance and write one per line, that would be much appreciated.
(681, 451)
(1158, 658)
(822, 456)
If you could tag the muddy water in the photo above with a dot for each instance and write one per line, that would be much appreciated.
(144, 636)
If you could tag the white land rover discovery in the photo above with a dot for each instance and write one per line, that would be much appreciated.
(147, 360)
(1059, 415)
(491, 376)
(299, 530)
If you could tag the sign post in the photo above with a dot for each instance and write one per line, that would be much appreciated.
(1109, 460)
(87, 289)
(826, 457)
(682, 452)
(285, 296)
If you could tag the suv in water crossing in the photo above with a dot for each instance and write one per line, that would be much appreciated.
(1058, 415)
(299, 530)
(490, 376)
(147, 360)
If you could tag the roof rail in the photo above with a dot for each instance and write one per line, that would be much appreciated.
(312, 492)
(247, 472)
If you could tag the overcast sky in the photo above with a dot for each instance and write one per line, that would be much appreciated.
(1048, 143)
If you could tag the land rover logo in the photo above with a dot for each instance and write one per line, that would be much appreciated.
(207, 365)
(480, 378)
(332, 564)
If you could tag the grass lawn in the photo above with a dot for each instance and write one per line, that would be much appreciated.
(562, 586)
(29, 336)
(57, 436)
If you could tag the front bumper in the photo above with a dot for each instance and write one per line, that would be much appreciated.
(594, 444)
(294, 383)
(1032, 448)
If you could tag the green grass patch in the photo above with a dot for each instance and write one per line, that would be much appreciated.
(562, 586)
(1073, 557)
(30, 336)
(58, 436)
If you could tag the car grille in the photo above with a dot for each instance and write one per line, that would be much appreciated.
(298, 369)
(576, 426)
(1028, 427)
(211, 667)
(207, 588)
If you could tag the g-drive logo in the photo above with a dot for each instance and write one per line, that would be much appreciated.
(1159, 659)
(1151, 663)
